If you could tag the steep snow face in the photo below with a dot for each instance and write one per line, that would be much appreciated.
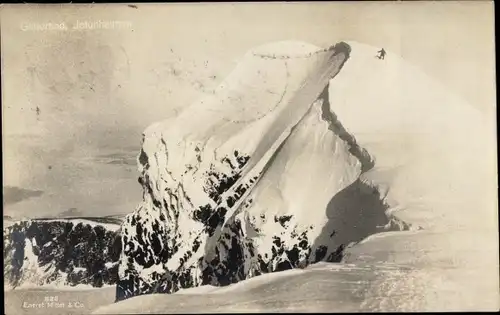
(279, 223)
(60, 253)
(300, 198)
(209, 214)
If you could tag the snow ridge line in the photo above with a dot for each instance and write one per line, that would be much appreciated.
(308, 55)
(367, 161)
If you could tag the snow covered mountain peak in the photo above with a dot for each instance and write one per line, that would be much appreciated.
(217, 208)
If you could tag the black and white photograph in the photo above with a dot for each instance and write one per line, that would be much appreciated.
(249, 157)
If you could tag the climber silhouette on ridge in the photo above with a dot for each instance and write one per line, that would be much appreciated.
(381, 54)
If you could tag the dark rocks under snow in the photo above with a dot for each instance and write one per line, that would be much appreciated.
(62, 252)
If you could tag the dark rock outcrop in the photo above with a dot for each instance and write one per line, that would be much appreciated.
(65, 252)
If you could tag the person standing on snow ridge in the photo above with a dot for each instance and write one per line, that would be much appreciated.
(381, 53)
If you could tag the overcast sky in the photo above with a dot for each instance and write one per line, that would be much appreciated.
(98, 89)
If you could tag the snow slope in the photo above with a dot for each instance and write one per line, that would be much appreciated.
(323, 287)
